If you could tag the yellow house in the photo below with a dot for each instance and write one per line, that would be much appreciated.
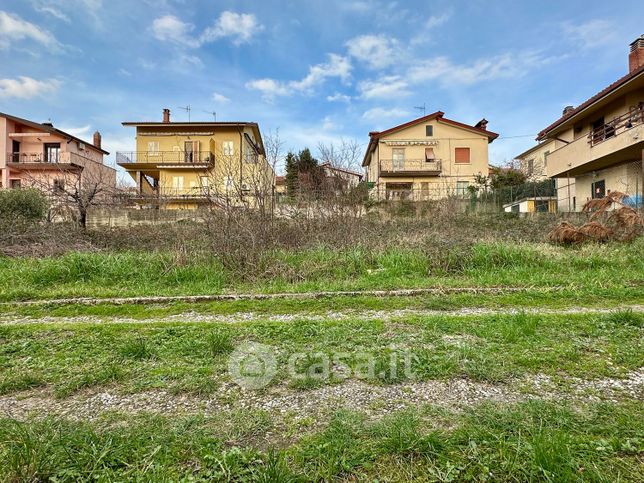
(600, 143)
(182, 165)
(428, 158)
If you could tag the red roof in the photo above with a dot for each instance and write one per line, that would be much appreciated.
(280, 179)
(600, 95)
(438, 115)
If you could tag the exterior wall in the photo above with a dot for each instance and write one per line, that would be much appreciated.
(566, 194)
(625, 178)
(446, 138)
(537, 157)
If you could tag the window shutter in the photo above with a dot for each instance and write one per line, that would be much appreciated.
(462, 155)
(195, 150)
(429, 154)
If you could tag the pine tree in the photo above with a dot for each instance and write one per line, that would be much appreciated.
(291, 178)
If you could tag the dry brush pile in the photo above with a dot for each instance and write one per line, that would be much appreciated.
(610, 219)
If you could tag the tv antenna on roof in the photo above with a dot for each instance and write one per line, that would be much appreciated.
(421, 109)
(213, 114)
(187, 109)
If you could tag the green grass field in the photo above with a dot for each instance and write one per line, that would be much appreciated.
(544, 384)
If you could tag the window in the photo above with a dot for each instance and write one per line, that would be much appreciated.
(462, 155)
(228, 148)
(177, 183)
(599, 189)
(545, 158)
(461, 188)
(15, 183)
(153, 147)
(52, 152)
(398, 158)
(59, 185)
(530, 168)
(204, 184)
(228, 183)
(191, 150)
(429, 155)
(249, 154)
(424, 191)
(429, 131)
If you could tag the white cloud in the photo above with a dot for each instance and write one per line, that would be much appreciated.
(328, 124)
(268, 87)
(589, 34)
(172, 29)
(437, 20)
(54, 12)
(337, 67)
(185, 61)
(389, 86)
(239, 26)
(508, 65)
(220, 98)
(338, 97)
(379, 113)
(13, 28)
(26, 87)
(377, 51)
(79, 132)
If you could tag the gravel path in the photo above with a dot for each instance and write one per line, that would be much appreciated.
(289, 295)
(385, 315)
(374, 400)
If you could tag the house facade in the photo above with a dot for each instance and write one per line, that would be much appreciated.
(600, 143)
(429, 158)
(534, 164)
(39, 155)
(182, 165)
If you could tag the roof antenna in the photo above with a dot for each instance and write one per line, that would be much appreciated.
(213, 114)
(421, 109)
(187, 109)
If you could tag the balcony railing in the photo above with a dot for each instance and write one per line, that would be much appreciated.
(52, 158)
(616, 126)
(164, 157)
(403, 166)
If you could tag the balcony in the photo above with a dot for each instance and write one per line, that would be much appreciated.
(409, 167)
(41, 161)
(617, 141)
(129, 159)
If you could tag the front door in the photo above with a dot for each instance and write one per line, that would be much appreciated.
(52, 152)
(187, 149)
(599, 189)
(15, 151)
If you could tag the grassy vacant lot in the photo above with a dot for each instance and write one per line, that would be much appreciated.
(545, 384)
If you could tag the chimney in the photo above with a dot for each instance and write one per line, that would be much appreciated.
(166, 115)
(636, 57)
(568, 109)
(482, 124)
(97, 139)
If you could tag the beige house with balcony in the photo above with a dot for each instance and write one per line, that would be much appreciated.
(600, 143)
(429, 158)
(40, 155)
(184, 165)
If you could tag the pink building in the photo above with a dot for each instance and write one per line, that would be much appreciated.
(31, 152)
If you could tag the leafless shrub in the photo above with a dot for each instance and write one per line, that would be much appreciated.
(596, 231)
(566, 233)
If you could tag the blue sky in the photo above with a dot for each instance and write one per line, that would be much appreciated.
(317, 70)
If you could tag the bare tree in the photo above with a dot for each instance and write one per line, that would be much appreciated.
(274, 148)
(345, 154)
(74, 187)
